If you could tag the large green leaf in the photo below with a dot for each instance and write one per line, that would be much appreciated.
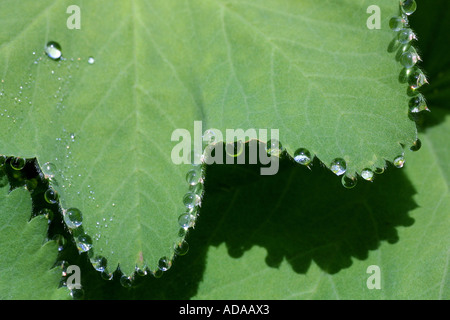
(160, 65)
(27, 258)
(299, 235)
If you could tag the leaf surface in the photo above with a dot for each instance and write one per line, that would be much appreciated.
(161, 65)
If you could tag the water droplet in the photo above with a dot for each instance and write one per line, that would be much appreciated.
(193, 177)
(234, 149)
(49, 169)
(73, 218)
(302, 156)
(84, 243)
(409, 58)
(398, 23)
(378, 170)
(191, 200)
(209, 137)
(106, 275)
(408, 6)
(77, 293)
(418, 104)
(406, 35)
(51, 196)
(274, 147)
(61, 241)
(338, 166)
(17, 163)
(142, 272)
(47, 213)
(157, 273)
(53, 50)
(91, 60)
(349, 182)
(416, 145)
(181, 248)
(367, 175)
(399, 162)
(417, 78)
(99, 263)
(126, 281)
(164, 264)
(185, 220)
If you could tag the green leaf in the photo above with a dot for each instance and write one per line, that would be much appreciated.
(299, 235)
(27, 258)
(161, 65)
(318, 245)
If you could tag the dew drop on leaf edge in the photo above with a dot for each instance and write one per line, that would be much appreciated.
(17, 163)
(302, 156)
(164, 264)
(367, 175)
(349, 182)
(338, 166)
(416, 145)
(408, 6)
(73, 218)
(399, 162)
(51, 196)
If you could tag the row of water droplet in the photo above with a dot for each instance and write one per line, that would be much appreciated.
(411, 74)
(408, 57)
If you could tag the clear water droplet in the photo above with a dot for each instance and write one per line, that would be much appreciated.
(416, 145)
(338, 166)
(274, 147)
(397, 23)
(418, 104)
(47, 213)
(49, 169)
(367, 175)
(53, 50)
(157, 273)
(406, 35)
(348, 181)
(73, 218)
(379, 170)
(417, 79)
(84, 243)
(193, 177)
(234, 149)
(99, 263)
(91, 60)
(302, 156)
(51, 196)
(126, 281)
(185, 220)
(77, 293)
(191, 200)
(181, 248)
(107, 276)
(17, 163)
(399, 162)
(209, 137)
(409, 58)
(164, 264)
(142, 272)
(408, 6)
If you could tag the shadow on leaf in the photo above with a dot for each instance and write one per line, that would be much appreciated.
(299, 216)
